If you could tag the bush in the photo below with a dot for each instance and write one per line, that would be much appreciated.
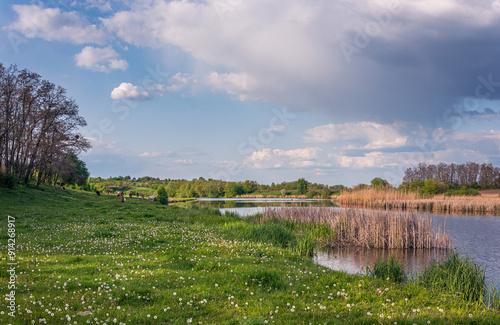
(463, 191)
(7, 180)
(433, 186)
(162, 195)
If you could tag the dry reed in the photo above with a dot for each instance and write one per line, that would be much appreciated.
(391, 199)
(371, 229)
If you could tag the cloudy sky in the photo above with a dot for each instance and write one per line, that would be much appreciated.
(337, 92)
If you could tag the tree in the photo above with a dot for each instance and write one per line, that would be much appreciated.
(71, 170)
(433, 186)
(38, 125)
(379, 182)
(302, 186)
(326, 193)
(162, 195)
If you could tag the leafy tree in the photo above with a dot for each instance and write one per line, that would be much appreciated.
(434, 186)
(379, 182)
(230, 190)
(73, 170)
(301, 186)
(326, 193)
(416, 185)
(162, 195)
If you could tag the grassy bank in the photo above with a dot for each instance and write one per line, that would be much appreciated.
(392, 199)
(84, 259)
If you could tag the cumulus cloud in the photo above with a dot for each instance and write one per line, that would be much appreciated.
(128, 91)
(52, 24)
(100, 59)
(181, 81)
(291, 53)
(155, 154)
(242, 85)
(359, 135)
(278, 158)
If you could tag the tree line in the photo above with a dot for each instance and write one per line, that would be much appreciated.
(470, 174)
(39, 124)
(211, 188)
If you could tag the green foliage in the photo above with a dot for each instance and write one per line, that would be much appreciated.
(390, 269)
(377, 181)
(7, 180)
(305, 245)
(302, 186)
(162, 195)
(464, 190)
(326, 193)
(456, 275)
(416, 185)
(265, 278)
(169, 253)
(433, 186)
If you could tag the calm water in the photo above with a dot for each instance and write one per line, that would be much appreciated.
(475, 236)
(259, 204)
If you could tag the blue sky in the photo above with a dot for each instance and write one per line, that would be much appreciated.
(337, 92)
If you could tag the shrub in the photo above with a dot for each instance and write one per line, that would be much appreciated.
(7, 180)
(433, 186)
(463, 191)
(162, 195)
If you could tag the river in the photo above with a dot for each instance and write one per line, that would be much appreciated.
(475, 236)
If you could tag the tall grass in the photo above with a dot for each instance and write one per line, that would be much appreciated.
(371, 229)
(390, 269)
(392, 199)
(458, 275)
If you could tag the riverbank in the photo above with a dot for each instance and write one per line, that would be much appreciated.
(88, 259)
(487, 203)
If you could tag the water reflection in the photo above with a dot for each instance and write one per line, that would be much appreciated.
(355, 260)
(475, 236)
(223, 203)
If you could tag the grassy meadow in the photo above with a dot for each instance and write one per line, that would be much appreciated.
(83, 259)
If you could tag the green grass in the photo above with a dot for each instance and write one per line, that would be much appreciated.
(456, 275)
(143, 263)
(390, 269)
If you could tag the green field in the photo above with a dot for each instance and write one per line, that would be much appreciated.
(144, 263)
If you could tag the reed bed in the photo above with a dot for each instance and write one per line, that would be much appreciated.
(371, 229)
(391, 199)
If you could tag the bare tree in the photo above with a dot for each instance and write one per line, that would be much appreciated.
(38, 125)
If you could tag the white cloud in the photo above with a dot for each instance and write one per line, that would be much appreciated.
(155, 154)
(241, 84)
(278, 158)
(359, 135)
(374, 159)
(184, 161)
(180, 81)
(290, 52)
(129, 91)
(100, 59)
(53, 25)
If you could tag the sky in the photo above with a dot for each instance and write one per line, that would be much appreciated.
(337, 92)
